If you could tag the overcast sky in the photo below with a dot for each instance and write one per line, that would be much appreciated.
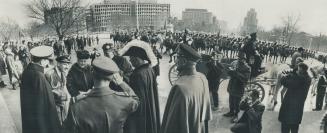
(313, 13)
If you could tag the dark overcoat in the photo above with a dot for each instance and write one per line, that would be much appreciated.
(102, 111)
(291, 110)
(147, 117)
(79, 79)
(188, 106)
(238, 80)
(38, 109)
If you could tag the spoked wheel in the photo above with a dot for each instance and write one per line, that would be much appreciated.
(256, 86)
(173, 74)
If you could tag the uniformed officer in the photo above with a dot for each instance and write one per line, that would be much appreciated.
(38, 106)
(188, 108)
(102, 110)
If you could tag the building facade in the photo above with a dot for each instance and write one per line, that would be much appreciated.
(250, 24)
(197, 16)
(119, 15)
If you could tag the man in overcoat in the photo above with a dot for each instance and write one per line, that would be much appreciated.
(102, 110)
(291, 110)
(38, 106)
(143, 81)
(239, 73)
(188, 108)
(57, 79)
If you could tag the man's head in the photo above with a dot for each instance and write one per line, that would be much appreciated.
(41, 55)
(104, 68)
(241, 55)
(83, 58)
(300, 49)
(186, 57)
(108, 51)
(63, 63)
(255, 94)
(302, 69)
(138, 54)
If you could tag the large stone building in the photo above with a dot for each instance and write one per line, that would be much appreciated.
(112, 15)
(250, 24)
(197, 16)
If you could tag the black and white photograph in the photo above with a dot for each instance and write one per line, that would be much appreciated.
(163, 66)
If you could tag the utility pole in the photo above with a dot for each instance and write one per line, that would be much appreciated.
(319, 41)
(137, 15)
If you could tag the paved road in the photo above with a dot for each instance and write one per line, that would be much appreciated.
(10, 109)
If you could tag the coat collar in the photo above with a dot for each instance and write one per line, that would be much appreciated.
(36, 67)
(142, 66)
(77, 67)
(101, 92)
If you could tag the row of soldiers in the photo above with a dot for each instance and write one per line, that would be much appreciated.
(229, 46)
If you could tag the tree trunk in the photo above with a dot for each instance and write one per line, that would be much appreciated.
(60, 34)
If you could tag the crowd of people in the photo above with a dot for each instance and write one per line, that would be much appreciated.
(104, 91)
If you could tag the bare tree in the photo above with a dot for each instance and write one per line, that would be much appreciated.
(290, 26)
(9, 29)
(63, 16)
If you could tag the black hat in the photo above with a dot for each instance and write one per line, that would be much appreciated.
(189, 52)
(63, 59)
(300, 49)
(137, 52)
(105, 66)
(107, 46)
(83, 54)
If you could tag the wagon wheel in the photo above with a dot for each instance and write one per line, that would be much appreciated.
(173, 74)
(256, 86)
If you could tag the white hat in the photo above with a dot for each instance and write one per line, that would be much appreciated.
(42, 51)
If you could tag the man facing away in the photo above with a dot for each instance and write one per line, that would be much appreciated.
(38, 106)
(188, 108)
(103, 110)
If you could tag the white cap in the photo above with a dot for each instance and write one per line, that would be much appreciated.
(42, 51)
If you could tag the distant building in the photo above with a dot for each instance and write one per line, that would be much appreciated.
(250, 24)
(113, 15)
(197, 16)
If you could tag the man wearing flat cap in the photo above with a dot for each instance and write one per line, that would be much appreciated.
(103, 110)
(57, 79)
(38, 108)
(79, 78)
(188, 108)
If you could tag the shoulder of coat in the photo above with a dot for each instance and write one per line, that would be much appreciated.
(121, 94)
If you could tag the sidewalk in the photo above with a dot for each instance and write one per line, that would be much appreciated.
(310, 123)
(7, 124)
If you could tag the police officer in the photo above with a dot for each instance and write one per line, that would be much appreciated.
(192, 92)
(38, 107)
(102, 110)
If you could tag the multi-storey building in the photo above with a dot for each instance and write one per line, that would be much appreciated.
(250, 23)
(197, 16)
(124, 14)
